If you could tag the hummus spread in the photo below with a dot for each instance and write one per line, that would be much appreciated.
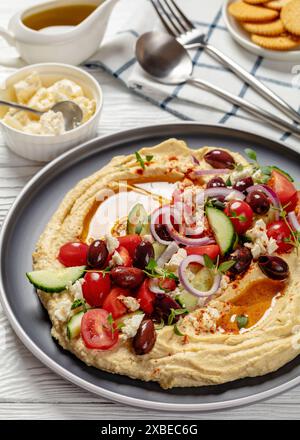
(245, 329)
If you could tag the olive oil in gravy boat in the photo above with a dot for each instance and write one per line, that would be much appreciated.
(70, 45)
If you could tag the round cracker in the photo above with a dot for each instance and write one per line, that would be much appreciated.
(255, 2)
(244, 12)
(281, 42)
(272, 28)
(290, 16)
(276, 4)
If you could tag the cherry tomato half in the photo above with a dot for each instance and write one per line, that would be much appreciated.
(95, 288)
(130, 242)
(280, 232)
(167, 284)
(73, 254)
(96, 330)
(241, 215)
(146, 297)
(212, 250)
(297, 209)
(284, 189)
(113, 305)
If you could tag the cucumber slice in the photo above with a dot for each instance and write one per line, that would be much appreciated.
(138, 221)
(52, 281)
(158, 249)
(222, 228)
(187, 300)
(203, 279)
(74, 325)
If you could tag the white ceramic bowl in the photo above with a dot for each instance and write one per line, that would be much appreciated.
(44, 148)
(242, 37)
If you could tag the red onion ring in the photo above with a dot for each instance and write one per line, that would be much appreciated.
(165, 211)
(188, 241)
(216, 192)
(187, 285)
(269, 193)
(294, 221)
(195, 160)
(167, 254)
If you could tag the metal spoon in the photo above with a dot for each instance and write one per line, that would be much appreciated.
(163, 58)
(71, 112)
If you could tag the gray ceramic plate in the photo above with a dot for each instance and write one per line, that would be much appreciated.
(30, 214)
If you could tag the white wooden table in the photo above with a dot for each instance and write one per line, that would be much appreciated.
(29, 390)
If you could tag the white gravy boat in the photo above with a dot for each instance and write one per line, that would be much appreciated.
(69, 45)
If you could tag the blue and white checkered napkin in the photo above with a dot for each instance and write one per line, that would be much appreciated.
(187, 102)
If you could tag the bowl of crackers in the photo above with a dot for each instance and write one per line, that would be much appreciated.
(268, 28)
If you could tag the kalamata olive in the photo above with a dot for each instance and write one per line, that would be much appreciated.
(144, 340)
(243, 184)
(163, 233)
(243, 258)
(259, 202)
(127, 277)
(97, 254)
(143, 252)
(219, 159)
(216, 182)
(273, 267)
(162, 307)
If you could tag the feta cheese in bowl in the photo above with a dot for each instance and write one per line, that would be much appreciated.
(41, 86)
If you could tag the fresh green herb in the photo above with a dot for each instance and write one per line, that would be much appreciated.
(239, 167)
(142, 161)
(153, 271)
(149, 158)
(208, 262)
(79, 303)
(251, 154)
(240, 217)
(228, 182)
(110, 319)
(160, 325)
(174, 313)
(242, 321)
(139, 159)
(177, 331)
(226, 265)
(120, 325)
(221, 268)
(215, 203)
(152, 265)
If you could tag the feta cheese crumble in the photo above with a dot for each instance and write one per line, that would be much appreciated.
(261, 243)
(237, 175)
(234, 195)
(62, 310)
(76, 289)
(176, 259)
(112, 243)
(129, 302)
(132, 324)
(31, 92)
(116, 259)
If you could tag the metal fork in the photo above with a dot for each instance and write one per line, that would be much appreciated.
(178, 25)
